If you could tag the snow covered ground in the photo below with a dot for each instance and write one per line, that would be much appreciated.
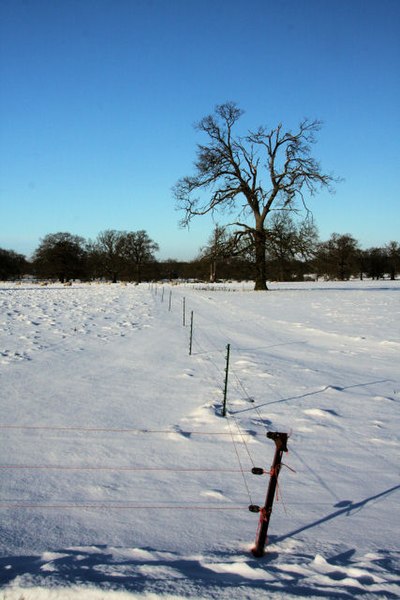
(120, 479)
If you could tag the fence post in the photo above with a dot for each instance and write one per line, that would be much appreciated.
(170, 300)
(184, 312)
(280, 440)
(228, 348)
(191, 333)
(162, 295)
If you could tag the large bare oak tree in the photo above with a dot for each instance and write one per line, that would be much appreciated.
(250, 175)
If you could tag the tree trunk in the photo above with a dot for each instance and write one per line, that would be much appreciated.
(213, 271)
(261, 270)
(138, 273)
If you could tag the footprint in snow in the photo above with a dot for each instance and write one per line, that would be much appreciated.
(187, 373)
(321, 412)
(216, 494)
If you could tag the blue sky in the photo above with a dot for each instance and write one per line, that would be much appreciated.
(99, 97)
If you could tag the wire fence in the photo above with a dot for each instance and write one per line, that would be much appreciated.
(240, 461)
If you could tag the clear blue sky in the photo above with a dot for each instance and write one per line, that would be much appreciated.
(98, 99)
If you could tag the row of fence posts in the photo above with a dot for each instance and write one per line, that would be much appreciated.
(228, 346)
(279, 438)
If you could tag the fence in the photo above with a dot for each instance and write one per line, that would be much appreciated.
(245, 465)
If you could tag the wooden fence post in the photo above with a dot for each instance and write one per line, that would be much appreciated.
(280, 440)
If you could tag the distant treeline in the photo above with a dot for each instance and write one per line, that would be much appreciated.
(130, 256)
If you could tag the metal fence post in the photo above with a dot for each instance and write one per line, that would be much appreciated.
(228, 348)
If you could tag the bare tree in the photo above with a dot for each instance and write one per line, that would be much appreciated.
(216, 249)
(12, 265)
(338, 258)
(250, 175)
(288, 241)
(107, 252)
(139, 249)
(116, 253)
(61, 255)
(393, 258)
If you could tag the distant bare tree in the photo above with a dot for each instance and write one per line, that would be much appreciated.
(393, 258)
(138, 249)
(61, 255)
(288, 240)
(373, 262)
(338, 258)
(265, 170)
(107, 251)
(12, 265)
(217, 248)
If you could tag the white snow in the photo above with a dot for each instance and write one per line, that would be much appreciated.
(120, 478)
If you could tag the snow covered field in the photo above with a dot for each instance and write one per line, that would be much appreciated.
(120, 478)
